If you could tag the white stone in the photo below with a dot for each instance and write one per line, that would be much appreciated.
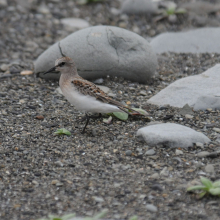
(171, 135)
(151, 208)
(203, 40)
(178, 152)
(103, 50)
(74, 23)
(209, 168)
(191, 90)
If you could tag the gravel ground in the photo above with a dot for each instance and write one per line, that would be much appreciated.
(107, 167)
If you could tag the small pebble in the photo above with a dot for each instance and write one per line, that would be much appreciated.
(150, 152)
(151, 208)
(217, 129)
(203, 154)
(26, 72)
(178, 152)
(128, 152)
(209, 168)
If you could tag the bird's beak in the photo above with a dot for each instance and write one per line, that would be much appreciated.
(50, 70)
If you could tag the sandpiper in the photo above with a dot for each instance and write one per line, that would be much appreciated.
(84, 95)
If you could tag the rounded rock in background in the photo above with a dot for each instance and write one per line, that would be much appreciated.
(100, 51)
(171, 135)
(138, 7)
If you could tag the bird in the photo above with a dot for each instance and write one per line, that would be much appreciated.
(84, 95)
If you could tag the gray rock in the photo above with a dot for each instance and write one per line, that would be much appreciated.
(178, 152)
(208, 101)
(203, 154)
(151, 208)
(209, 168)
(3, 3)
(150, 152)
(202, 40)
(74, 23)
(100, 51)
(138, 7)
(216, 129)
(128, 152)
(200, 7)
(171, 135)
(191, 90)
(4, 67)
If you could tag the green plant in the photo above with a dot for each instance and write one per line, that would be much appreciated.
(207, 187)
(62, 131)
(124, 116)
(168, 12)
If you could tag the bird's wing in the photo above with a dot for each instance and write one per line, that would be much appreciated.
(88, 88)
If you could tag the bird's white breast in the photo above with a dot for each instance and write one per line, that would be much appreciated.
(87, 103)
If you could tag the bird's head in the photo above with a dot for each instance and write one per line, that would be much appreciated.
(63, 65)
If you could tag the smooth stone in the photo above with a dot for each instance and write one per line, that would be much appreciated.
(171, 135)
(138, 7)
(150, 152)
(3, 3)
(164, 172)
(151, 208)
(4, 67)
(211, 101)
(128, 152)
(198, 144)
(74, 23)
(178, 152)
(190, 90)
(209, 168)
(189, 116)
(100, 51)
(202, 40)
(186, 109)
(200, 7)
(216, 129)
(203, 154)
(155, 176)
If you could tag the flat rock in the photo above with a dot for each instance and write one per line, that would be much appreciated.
(200, 7)
(200, 91)
(171, 135)
(138, 7)
(202, 40)
(100, 51)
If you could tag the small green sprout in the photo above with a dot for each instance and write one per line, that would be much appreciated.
(124, 116)
(62, 131)
(208, 187)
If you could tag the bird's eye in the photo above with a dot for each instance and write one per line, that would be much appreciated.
(62, 64)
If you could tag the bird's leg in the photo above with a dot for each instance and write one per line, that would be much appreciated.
(87, 120)
(82, 119)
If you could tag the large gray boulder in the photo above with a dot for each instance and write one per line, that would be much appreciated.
(171, 135)
(100, 51)
(203, 40)
(200, 91)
